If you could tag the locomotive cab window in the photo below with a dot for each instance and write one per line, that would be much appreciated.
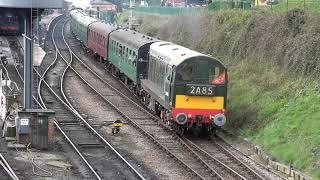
(185, 73)
(216, 75)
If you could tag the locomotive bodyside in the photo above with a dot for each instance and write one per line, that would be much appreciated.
(188, 89)
(98, 38)
(9, 24)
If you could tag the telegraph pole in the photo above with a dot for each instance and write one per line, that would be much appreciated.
(131, 7)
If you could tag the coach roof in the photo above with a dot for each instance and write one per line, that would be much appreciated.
(132, 38)
(81, 17)
(102, 28)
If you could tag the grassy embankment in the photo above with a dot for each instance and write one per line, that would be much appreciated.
(308, 5)
(274, 66)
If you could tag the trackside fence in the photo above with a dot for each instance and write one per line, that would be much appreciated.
(218, 5)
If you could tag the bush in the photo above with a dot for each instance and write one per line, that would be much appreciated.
(274, 64)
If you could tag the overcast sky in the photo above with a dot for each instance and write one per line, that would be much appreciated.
(80, 3)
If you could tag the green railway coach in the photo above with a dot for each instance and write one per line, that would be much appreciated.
(128, 52)
(79, 25)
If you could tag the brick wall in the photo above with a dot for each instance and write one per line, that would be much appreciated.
(51, 130)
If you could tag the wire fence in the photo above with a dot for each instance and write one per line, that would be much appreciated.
(307, 5)
(218, 5)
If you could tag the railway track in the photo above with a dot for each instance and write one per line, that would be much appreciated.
(10, 174)
(218, 156)
(139, 118)
(180, 149)
(199, 163)
(84, 139)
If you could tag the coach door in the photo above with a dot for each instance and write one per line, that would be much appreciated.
(167, 85)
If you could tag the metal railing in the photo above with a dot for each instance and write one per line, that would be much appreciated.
(218, 5)
(307, 5)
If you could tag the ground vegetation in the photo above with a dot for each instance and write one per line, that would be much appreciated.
(274, 67)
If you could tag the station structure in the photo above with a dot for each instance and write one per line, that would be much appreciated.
(30, 9)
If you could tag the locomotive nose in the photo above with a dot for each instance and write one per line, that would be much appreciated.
(219, 120)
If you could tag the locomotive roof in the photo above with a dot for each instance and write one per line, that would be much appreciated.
(81, 17)
(174, 54)
(132, 38)
(73, 12)
(102, 28)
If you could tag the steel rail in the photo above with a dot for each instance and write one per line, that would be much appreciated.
(68, 105)
(82, 119)
(6, 70)
(22, 80)
(7, 168)
(230, 154)
(137, 125)
(193, 145)
(42, 105)
(182, 140)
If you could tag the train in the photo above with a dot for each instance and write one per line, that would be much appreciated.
(9, 24)
(185, 88)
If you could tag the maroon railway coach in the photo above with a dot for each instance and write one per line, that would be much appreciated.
(98, 38)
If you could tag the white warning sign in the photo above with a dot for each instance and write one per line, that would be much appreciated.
(24, 122)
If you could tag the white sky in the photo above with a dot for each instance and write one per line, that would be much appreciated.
(80, 3)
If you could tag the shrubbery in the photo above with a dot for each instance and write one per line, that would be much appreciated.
(274, 66)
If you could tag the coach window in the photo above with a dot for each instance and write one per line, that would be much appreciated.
(126, 54)
(129, 55)
(117, 48)
(134, 58)
(120, 50)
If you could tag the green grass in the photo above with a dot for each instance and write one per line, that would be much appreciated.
(272, 99)
(278, 111)
(294, 134)
(308, 5)
(123, 19)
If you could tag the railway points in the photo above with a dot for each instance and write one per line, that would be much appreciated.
(107, 97)
(69, 67)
